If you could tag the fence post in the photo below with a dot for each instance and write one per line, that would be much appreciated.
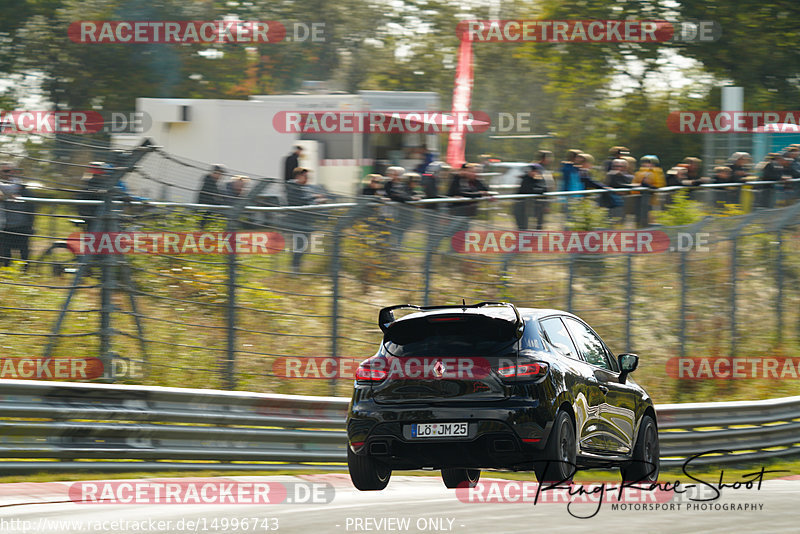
(629, 303)
(335, 263)
(642, 219)
(431, 242)
(230, 352)
(684, 295)
(359, 210)
(229, 367)
(734, 247)
(570, 279)
(779, 298)
(107, 287)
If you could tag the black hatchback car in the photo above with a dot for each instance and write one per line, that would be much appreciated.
(461, 388)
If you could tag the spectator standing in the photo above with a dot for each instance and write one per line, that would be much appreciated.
(694, 170)
(544, 160)
(465, 184)
(373, 186)
(740, 164)
(396, 187)
(585, 164)
(299, 193)
(414, 183)
(650, 174)
(291, 162)
(210, 192)
(17, 222)
(532, 183)
(615, 152)
(722, 175)
(794, 150)
(398, 190)
(570, 175)
(433, 175)
(778, 170)
(617, 178)
(234, 188)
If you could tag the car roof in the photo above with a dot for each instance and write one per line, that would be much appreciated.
(494, 311)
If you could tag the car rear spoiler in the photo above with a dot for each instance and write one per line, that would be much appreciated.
(386, 315)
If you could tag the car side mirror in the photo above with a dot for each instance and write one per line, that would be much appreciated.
(627, 363)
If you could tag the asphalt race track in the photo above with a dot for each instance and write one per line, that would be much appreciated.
(409, 504)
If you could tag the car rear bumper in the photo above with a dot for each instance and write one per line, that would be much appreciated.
(506, 434)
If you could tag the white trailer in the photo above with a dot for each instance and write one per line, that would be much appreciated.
(240, 135)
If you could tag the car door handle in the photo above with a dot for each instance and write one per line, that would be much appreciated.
(603, 389)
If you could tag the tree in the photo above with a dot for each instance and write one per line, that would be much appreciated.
(757, 49)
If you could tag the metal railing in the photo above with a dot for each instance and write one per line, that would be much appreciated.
(223, 322)
(51, 426)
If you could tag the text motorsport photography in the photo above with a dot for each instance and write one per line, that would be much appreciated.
(585, 500)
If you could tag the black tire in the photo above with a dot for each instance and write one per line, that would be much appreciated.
(644, 465)
(366, 473)
(557, 462)
(461, 478)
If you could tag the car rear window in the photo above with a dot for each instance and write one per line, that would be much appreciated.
(440, 336)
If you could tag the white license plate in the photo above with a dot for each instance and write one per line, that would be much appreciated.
(439, 430)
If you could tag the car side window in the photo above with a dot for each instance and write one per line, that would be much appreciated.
(531, 339)
(589, 345)
(559, 337)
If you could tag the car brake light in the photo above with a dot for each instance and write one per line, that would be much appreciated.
(367, 373)
(373, 375)
(524, 370)
(444, 319)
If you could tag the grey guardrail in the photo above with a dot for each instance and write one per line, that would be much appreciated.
(49, 426)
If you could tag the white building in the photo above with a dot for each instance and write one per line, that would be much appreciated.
(240, 135)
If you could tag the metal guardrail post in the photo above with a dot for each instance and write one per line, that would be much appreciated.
(243, 430)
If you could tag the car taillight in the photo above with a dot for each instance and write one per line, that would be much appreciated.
(524, 371)
(370, 371)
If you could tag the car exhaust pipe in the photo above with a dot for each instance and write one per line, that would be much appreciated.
(503, 445)
(379, 448)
